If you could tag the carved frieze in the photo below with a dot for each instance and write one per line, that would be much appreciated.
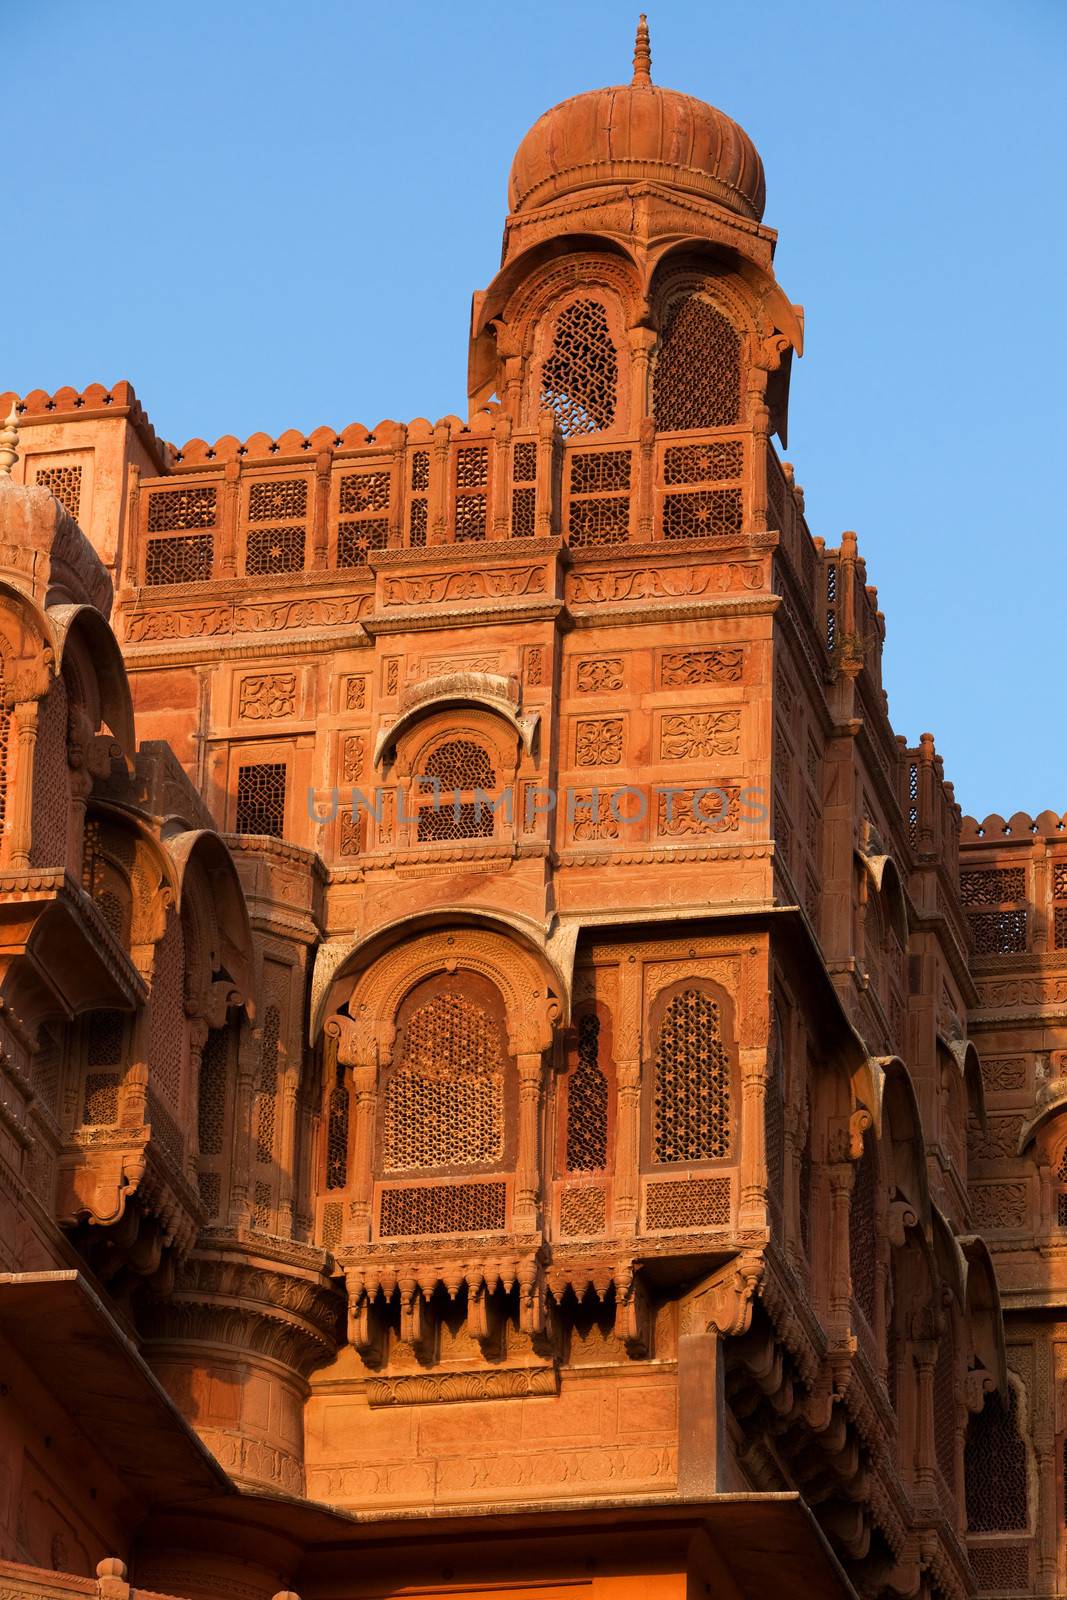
(438, 588)
(664, 583)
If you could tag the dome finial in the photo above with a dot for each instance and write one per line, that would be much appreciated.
(642, 55)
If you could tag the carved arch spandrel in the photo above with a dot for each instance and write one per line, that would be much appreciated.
(533, 1010)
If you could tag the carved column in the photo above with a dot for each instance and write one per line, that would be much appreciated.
(361, 1055)
(795, 1139)
(924, 1350)
(287, 1151)
(628, 1079)
(396, 493)
(643, 515)
(363, 1092)
(247, 1065)
(26, 717)
(439, 495)
(131, 532)
(627, 1144)
(500, 479)
(527, 1160)
(760, 419)
(226, 555)
(320, 528)
(1048, 1506)
(753, 1174)
(1043, 1408)
(133, 1091)
(840, 1179)
(642, 343)
(549, 449)
(509, 355)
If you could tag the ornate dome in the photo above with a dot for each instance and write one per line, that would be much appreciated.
(635, 133)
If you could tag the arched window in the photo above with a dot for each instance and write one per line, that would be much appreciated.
(580, 376)
(994, 1465)
(862, 1230)
(444, 1101)
(458, 808)
(587, 1101)
(692, 1089)
(697, 381)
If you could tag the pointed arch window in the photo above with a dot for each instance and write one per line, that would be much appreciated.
(444, 1102)
(692, 1090)
(580, 376)
(994, 1465)
(697, 380)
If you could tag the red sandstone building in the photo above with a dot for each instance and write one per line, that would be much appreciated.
(661, 1192)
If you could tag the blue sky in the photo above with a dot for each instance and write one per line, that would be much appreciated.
(272, 216)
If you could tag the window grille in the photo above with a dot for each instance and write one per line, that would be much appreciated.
(697, 380)
(579, 380)
(261, 799)
(692, 1082)
(995, 1467)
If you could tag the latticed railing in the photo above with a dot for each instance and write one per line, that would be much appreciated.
(331, 510)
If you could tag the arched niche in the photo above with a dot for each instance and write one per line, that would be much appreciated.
(339, 964)
(446, 1004)
(898, 1117)
(487, 691)
(212, 904)
(88, 648)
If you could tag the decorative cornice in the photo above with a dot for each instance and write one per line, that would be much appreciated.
(437, 1388)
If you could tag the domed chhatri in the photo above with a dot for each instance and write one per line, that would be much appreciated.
(638, 132)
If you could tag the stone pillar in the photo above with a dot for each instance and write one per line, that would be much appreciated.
(925, 1353)
(499, 517)
(240, 1181)
(840, 1177)
(26, 718)
(320, 525)
(527, 1160)
(701, 1415)
(546, 503)
(627, 1144)
(642, 343)
(363, 1108)
(440, 498)
(753, 1174)
(226, 554)
(643, 512)
(758, 443)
